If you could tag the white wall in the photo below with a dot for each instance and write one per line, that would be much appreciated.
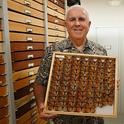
(104, 16)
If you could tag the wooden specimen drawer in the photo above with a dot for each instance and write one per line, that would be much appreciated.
(59, 3)
(56, 20)
(2, 80)
(4, 120)
(25, 47)
(3, 101)
(25, 108)
(56, 33)
(3, 90)
(2, 69)
(23, 92)
(54, 39)
(56, 14)
(24, 73)
(23, 82)
(82, 84)
(1, 58)
(56, 26)
(32, 4)
(17, 56)
(26, 37)
(20, 102)
(1, 47)
(25, 19)
(19, 27)
(1, 36)
(40, 1)
(55, 7)
(25, 9)
(25, 64)
(26, 116)
(3, 112)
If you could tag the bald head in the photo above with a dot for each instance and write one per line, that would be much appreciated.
(76, 7)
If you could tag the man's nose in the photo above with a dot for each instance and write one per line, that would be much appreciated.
(77, 22)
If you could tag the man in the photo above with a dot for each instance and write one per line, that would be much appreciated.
(77, 23)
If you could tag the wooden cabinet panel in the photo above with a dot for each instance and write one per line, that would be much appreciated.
(31, 3)
(25, 64)
(55, 14)
(59, 3)
(2, 69)
(56, 26)
(26, 37)
(1, 37)
(1, 58)
(3, 90)
(1, 47)
(55, 7)
(25, 19)
(25, 73)
(25, 9)
(19, 27)
(4, 120)
(17, 56)
(56, 20)
(26, 47)
(2, 80)
(23, 82)
(3, 101)
(3, 112)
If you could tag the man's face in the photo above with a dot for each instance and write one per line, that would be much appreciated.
(77, 24)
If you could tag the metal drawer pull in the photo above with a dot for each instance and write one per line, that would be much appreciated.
(33, 113)
(28, 21)
(55, 14)
(56, 21)
(31, 81)
(29, 47)
(1, 82)
(31, 89)
(27, 3)
(30, 56)
(29, 38)
(27, 12)
(30, 64)
(29, 29)
(56, 9)
(56, 27)
(30, 73)
(55, 1)
(57, 34)
(33, 97)
(32, 105)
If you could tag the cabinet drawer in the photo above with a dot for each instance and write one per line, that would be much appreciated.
(2, 69)
(40, 1)
(25, 19)
(16, 56)
(25, 108)
(19, 27)
(3, 112)
(31, 4)
(1, 47)
(26, 37)
(55, 14)
(56, 26)
(56, 20)
(25, 9)
(2, 80)
(27, 98)
(3, 101)
(23, 82)
(1, 36)
(25, 64)
(59, 3)
(1, 58)
(56, 8)
(56, 33)
(4, 120)
(54, 39)
(3, 90)
(25, 73)
(26, 46)
(26, 116)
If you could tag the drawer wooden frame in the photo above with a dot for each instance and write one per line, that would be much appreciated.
(104, 112)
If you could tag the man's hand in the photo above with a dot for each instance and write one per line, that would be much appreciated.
(43, 115)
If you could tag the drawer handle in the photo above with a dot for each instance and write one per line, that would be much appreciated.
(27, 3)
(32, 105)
(33, 97)
(29, 39)
(31, 81)
(30, 73)
(31, 89)
(29, 29)
(29, 47)
(56, 28)
(56, 21)
(1, 82)
(30, 64)
(55, 14)
(55, 1)
(56, 8)
(28, 21)
(30, 56)
(57, 34)
(56, 40)
(27, 12)
(33, 113)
